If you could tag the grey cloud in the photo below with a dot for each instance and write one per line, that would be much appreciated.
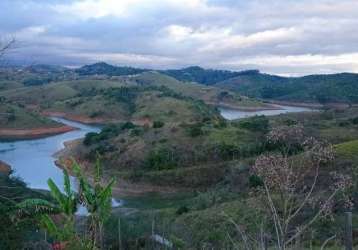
(162, 34)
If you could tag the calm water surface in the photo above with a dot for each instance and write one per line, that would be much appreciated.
(232, 114)
(33, 161)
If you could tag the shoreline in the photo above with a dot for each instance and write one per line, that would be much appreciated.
(77, 118)
(243, 108)
(248, 109)
(35, 133)
(5, 168)
(310, 104)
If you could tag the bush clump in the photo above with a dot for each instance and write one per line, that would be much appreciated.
(256, 124)
(162, 159)
(182, 210)
(195, 130)
(158, 124)
(355, 120)
(107, 132)
(255, 181)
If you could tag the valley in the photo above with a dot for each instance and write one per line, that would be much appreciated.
(182, 153)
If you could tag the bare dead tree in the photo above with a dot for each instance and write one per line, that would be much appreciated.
(6, 46)
(290, 183)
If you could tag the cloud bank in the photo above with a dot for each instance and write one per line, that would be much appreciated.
(286, 37)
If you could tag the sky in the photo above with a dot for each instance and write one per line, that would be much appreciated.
(285, 37)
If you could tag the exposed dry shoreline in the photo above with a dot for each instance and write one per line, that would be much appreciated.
(76, 118)
(5, 168)
(243, 108)
(12, 134)
(310, 104)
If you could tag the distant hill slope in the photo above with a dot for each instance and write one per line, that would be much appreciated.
(204, 76)
(341, 88)
(189, 74)
(103, 68)
(90, 98)
(313, 88)
(208, 94)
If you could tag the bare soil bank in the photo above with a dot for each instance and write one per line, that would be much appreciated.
(76, 118)
(243, 108)
(9, 134)
(5, 168)
(311, 105)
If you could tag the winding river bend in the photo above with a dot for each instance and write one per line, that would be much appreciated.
(33, 160)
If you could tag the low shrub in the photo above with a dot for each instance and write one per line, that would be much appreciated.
(107, 132)
(136, 132)
(255, 181)
(355, 120)
(194, 130)
(256, 124)
(161, 159)
(182, 210)
(158, 124)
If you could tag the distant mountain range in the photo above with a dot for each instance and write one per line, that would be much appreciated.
(341, 88)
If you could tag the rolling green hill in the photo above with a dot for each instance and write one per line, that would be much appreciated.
(13, 116)
(340, 88)
(103, 68)
(314, 88)
(334, 88)
(208, 94)
(95, 98)
(200, 75)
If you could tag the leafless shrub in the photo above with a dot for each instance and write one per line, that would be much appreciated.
(5, 46)
(290, 183)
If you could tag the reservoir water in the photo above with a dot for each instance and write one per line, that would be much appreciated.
(33, 160)
(232, 114)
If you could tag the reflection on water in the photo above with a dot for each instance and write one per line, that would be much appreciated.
(232, 114)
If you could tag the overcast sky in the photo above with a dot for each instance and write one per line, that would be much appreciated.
(287, 37)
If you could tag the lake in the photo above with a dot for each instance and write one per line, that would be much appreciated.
(232, 114)
(33, 160)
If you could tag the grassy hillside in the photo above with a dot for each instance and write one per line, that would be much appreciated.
(176, 152)
(103, 68)
(214, 158)
(208, 94)
(33, 76)
(314, 88)
(150, 95)
(252, 83)
(348, 150)
(178, 148)
(200, 75)
(189, 74)
(10, 84)
(13, 116)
